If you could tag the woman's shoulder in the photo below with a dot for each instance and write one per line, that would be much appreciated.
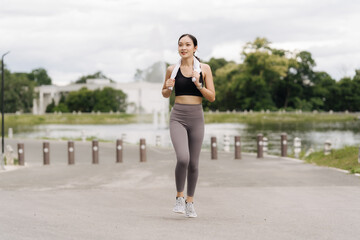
(170, 68)
(205, 67)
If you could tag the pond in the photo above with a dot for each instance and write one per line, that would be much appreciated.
(312, 134)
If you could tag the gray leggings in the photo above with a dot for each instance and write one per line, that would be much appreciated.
(187, 134)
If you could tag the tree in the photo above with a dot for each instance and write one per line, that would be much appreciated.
(105, 100)
(50, 107)
(18, 92)
(109, 99)
(40, 77)
(82, 100)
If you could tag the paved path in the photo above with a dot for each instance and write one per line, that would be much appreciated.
(270, 198)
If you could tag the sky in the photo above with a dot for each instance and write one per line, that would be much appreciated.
(72, 38)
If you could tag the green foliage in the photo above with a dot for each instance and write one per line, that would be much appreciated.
(109, 99)
(82, 100)
(50, 107)
(274, 79)
(18, 92)
(40, 77)
(105, 100)
(61, 107)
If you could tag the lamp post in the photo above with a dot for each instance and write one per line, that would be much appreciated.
(2, 111)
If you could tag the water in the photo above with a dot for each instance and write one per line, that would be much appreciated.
(313, 135)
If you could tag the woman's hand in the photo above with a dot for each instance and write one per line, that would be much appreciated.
(170, 83)
(196, 75)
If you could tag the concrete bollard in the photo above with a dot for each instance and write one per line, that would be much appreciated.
(213, 148)
(119, 151)
(297, 147)
(95, 151)
(46, 153)
(265, 145)
(237, 145)
(71, 153)
(226, 143)
(327, 147)
(260, 153)
(21, 154)
(142, 150)
(123, 137)
(83, 137)
(10, 133)
(283, 144)
(158, 141)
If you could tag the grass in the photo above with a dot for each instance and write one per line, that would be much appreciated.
(277, 117)
(345, 158)
(12, 120)
(29, 119)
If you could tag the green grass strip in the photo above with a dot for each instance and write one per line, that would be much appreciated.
(345, 158)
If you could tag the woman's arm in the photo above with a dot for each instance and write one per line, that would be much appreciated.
(209, 91)
(166, 92)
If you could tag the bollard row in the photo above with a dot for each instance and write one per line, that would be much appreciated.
(71, 152)
(262, 148)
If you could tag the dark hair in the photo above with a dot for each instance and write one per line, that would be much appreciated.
(193, 39)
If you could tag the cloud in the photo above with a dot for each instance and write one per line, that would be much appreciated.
(73, 38)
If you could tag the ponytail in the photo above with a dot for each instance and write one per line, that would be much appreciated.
(197, 58)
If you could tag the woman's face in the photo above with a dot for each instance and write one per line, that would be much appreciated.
(186, 47)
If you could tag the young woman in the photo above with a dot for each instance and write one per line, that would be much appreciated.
(187, 118)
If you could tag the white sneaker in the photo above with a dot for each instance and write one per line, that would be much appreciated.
(190, 210)
(179, 205)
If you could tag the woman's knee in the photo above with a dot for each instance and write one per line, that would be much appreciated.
(193, 167)
(183, 161)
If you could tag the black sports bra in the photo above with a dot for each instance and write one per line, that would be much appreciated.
(185, 86)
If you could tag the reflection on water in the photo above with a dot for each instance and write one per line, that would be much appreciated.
(312, 134)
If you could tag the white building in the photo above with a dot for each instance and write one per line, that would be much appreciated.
(142, 97)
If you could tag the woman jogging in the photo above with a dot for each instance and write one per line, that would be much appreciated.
(192, 81)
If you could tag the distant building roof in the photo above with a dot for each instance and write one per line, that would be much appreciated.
(97, 81)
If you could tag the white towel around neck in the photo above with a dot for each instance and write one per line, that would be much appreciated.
(177, 67)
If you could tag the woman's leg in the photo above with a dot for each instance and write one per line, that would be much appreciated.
(196, 137)
(179, 138)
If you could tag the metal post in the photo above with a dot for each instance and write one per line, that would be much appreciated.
(46, 153)
(260, 153)
(213, 148)
(142, 150)
(283, 144)
(237, 147)
(119, 151)
(21, 154)
(2, 112)
(95, 151)
(71, 153)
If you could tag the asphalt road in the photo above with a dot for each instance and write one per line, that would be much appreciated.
(269, 198)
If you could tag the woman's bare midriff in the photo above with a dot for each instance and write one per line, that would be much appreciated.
(188, 99)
